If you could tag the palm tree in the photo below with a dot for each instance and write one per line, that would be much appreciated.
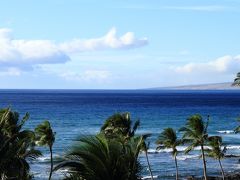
(168, 139)
(15, 146)
(19, 150)
(119, 124)
(195, 133)
(145, 147)
(237, 80)
(237, 129)
(216, 151)
(96, 157)
(46, 137)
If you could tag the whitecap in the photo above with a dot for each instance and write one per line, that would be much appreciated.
(226, 132)
(149, 177)
(233, 147)
(185, 157)
(43, 158)
(46, 158)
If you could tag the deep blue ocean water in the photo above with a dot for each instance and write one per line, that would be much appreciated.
(81, 112)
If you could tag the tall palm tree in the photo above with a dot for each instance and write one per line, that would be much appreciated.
(144, 148)
(46, 137)
(16, 145)
(168, 139)
(119, 124)
(195, 133)
(216, 151)
(98, 158)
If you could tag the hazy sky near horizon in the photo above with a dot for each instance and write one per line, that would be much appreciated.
(92, 44)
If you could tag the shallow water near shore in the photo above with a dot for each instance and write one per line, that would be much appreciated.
(81, 112)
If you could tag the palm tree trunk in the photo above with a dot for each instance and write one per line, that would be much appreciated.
(175, 158)
(223, 176)
(50, 174)
(204, 163)
(149, 167)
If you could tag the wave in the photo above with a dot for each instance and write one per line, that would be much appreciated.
(43, 159)
(166, 150)
(232, 155)
(233, 147)
(46, 158)
(183, 148)
(226, 132)
(149, 177)
(185, 157)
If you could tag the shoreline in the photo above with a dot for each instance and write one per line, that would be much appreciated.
(228, 176)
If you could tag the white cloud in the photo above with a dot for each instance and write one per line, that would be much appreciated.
(109, 41)
(225, 64)
(88, 76)
(24, 54)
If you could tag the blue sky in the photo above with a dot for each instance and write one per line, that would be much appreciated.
(127, 44)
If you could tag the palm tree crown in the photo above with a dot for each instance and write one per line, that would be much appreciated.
(237, 80)
(119, 124)
(168, 139)
(98, 158)
(44, 134)
(216, 151)
(195, 132)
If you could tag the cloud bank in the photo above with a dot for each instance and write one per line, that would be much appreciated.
(24, 54)
(225, 64)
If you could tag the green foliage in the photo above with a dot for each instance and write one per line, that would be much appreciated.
(110, 155)
(237, 80)
(16, 145)
(195, 132)
(98, 158)
(216, 150)
(237, 129)
(119, 125)
(168, 139)
(144, 144)
(44, 134)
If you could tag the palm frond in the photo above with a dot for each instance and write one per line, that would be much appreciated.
(97, 156)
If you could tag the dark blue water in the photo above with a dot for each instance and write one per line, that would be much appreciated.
(76, 112)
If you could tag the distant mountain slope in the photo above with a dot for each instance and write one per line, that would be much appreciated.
(215, 86)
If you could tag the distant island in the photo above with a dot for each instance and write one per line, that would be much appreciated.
(214, 86)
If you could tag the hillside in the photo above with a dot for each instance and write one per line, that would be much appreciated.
(215, 86)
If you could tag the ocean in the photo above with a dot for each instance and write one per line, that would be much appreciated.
(73, 113)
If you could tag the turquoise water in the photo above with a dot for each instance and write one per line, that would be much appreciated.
(77, 112)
